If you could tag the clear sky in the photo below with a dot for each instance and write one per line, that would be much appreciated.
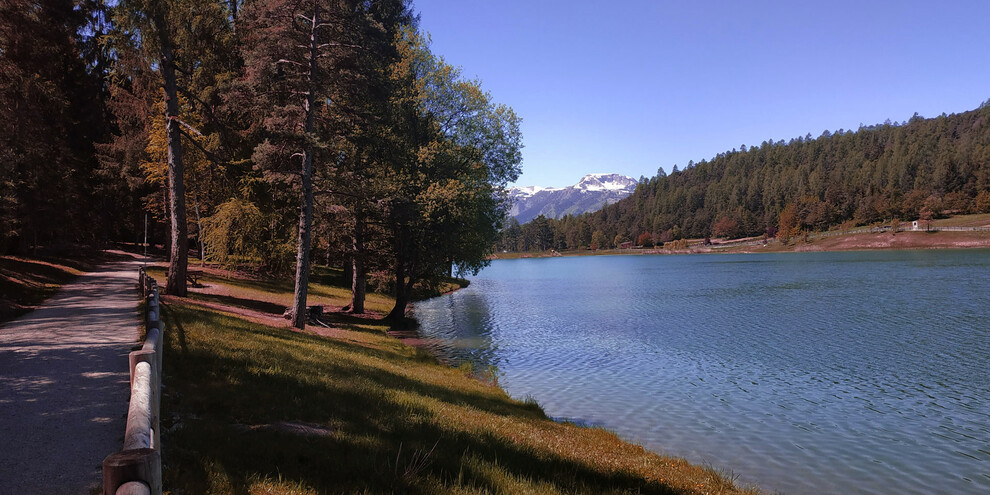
(631, 86)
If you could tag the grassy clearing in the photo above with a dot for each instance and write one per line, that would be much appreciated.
(26, 282)
(251, 408)
(274, 295)
(977, 220)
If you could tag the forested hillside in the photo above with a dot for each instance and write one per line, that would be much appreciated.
(261, 133)
(922, 167)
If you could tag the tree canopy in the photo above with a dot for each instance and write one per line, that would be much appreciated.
(874, 174)
(266, 134)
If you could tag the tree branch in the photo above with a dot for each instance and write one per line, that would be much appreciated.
(187, 126)
(337, 193)
(324, 45)
(293, 62)
(209, 156)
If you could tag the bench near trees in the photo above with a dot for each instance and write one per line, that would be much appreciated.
(192, 276)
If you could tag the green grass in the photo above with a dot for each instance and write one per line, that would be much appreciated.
(977, 220)
(250, 409)
(325, 287)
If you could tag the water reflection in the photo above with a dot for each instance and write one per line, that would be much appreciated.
(808, 373)
(467, 332)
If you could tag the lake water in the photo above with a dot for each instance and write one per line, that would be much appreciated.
(807, 373)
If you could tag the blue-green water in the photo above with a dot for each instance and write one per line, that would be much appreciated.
(802, 372)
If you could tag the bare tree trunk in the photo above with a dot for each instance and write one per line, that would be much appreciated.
(403, 296)
(306, 207)
(166, 239)
(302, 253)
(359, 279)
(176, 284)
(404, 280)
(401, 301)
(199, 232)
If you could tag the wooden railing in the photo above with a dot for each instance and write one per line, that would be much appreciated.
(137, 467)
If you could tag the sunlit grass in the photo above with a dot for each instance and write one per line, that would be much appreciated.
(977, 220)
(278, 291)
(255, 409)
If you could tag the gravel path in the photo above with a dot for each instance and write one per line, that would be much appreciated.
(64, 384)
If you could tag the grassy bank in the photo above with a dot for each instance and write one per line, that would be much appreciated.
(26, 282)
(252, 406)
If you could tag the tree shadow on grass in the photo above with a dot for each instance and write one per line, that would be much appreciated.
(239, 302)
(372, 444)
(376, 439)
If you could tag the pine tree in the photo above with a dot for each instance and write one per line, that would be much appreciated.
(50, 115)
(296, 53)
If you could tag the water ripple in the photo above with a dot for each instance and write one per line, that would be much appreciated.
(807, 373)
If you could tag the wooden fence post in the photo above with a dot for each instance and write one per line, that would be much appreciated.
(143, 465)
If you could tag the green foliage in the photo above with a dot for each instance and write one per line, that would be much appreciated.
(597, 241)
(444, 191)
(981, 204)
(51, 113)
(234, 233)
(874, 174)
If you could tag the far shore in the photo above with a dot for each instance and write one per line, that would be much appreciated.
(879, 239)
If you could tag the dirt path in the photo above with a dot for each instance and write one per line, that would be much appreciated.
(63, 383)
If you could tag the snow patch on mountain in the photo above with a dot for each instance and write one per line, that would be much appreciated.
(606, 182)
(531, 190)
(591, 193)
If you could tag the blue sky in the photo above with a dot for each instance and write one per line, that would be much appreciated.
(631, 86)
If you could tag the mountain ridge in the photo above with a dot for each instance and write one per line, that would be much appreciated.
(591, 193)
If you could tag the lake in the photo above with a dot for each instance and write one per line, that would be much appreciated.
(853, 372)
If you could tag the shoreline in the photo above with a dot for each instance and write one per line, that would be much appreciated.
(324, 383)
(821, 242)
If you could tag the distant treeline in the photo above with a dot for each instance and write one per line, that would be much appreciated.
(915, 169)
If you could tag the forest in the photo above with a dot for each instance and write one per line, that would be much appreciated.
(921, 168)
(261, 134)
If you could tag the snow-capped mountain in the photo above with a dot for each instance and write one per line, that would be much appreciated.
(589, 194)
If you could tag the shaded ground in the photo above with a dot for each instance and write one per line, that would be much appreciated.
(252, 405)
(26, 282)
(63, 383)
(250, 408)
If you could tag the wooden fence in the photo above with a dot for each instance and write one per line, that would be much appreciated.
(137, 467)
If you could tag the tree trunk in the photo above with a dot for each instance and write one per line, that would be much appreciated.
(166, 238)
(306, 208)
(404, 280)
(398, 312)
(359, 281)
(302, 253)
(176, 284)
(199, 233)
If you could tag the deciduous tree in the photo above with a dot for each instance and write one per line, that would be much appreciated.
(446, 201)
